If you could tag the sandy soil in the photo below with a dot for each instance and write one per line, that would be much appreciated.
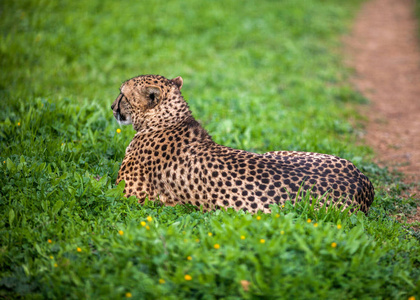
(384, 50)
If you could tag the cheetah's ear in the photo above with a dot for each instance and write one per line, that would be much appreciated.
(178, 82)
(153, 94)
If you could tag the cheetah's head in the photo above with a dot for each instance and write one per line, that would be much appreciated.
(150, 102)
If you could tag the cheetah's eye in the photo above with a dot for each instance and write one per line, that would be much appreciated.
(123, 97)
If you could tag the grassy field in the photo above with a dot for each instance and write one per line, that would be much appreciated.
(261, 76)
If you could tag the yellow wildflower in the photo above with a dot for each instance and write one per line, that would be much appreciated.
(210, 234)
(55, 265)
(187, 277)
(242, 237)
(119, 131)
(262, 241)
(79, 249)
(128, 295)
(309, 221)
(189, 258)
(149, 219)
(49, 241)
(315, 224)
(143, 223)
(161, 281)
(334, 244)
(18, 124)
(216, 246)
(197, 240)
(52, 257)
(339, 226)
(412, 298)
(258, 218)
(121, 232)
(277, 216)
(245, 285)
(147, 227)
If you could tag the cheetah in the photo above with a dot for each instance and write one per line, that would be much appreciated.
(174, 159)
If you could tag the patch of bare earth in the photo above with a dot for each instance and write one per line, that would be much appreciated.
(383, 48)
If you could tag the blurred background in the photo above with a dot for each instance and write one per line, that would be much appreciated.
(260, 70)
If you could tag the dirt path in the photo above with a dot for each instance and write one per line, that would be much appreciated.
(384, 50)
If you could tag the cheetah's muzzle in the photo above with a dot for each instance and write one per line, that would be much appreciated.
(119, 113)
(172, 157)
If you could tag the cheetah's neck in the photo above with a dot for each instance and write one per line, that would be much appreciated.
(187, 132)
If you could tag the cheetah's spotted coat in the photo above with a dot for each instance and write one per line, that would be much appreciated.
(173, 157)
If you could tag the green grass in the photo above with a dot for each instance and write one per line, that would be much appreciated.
(261, 76)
